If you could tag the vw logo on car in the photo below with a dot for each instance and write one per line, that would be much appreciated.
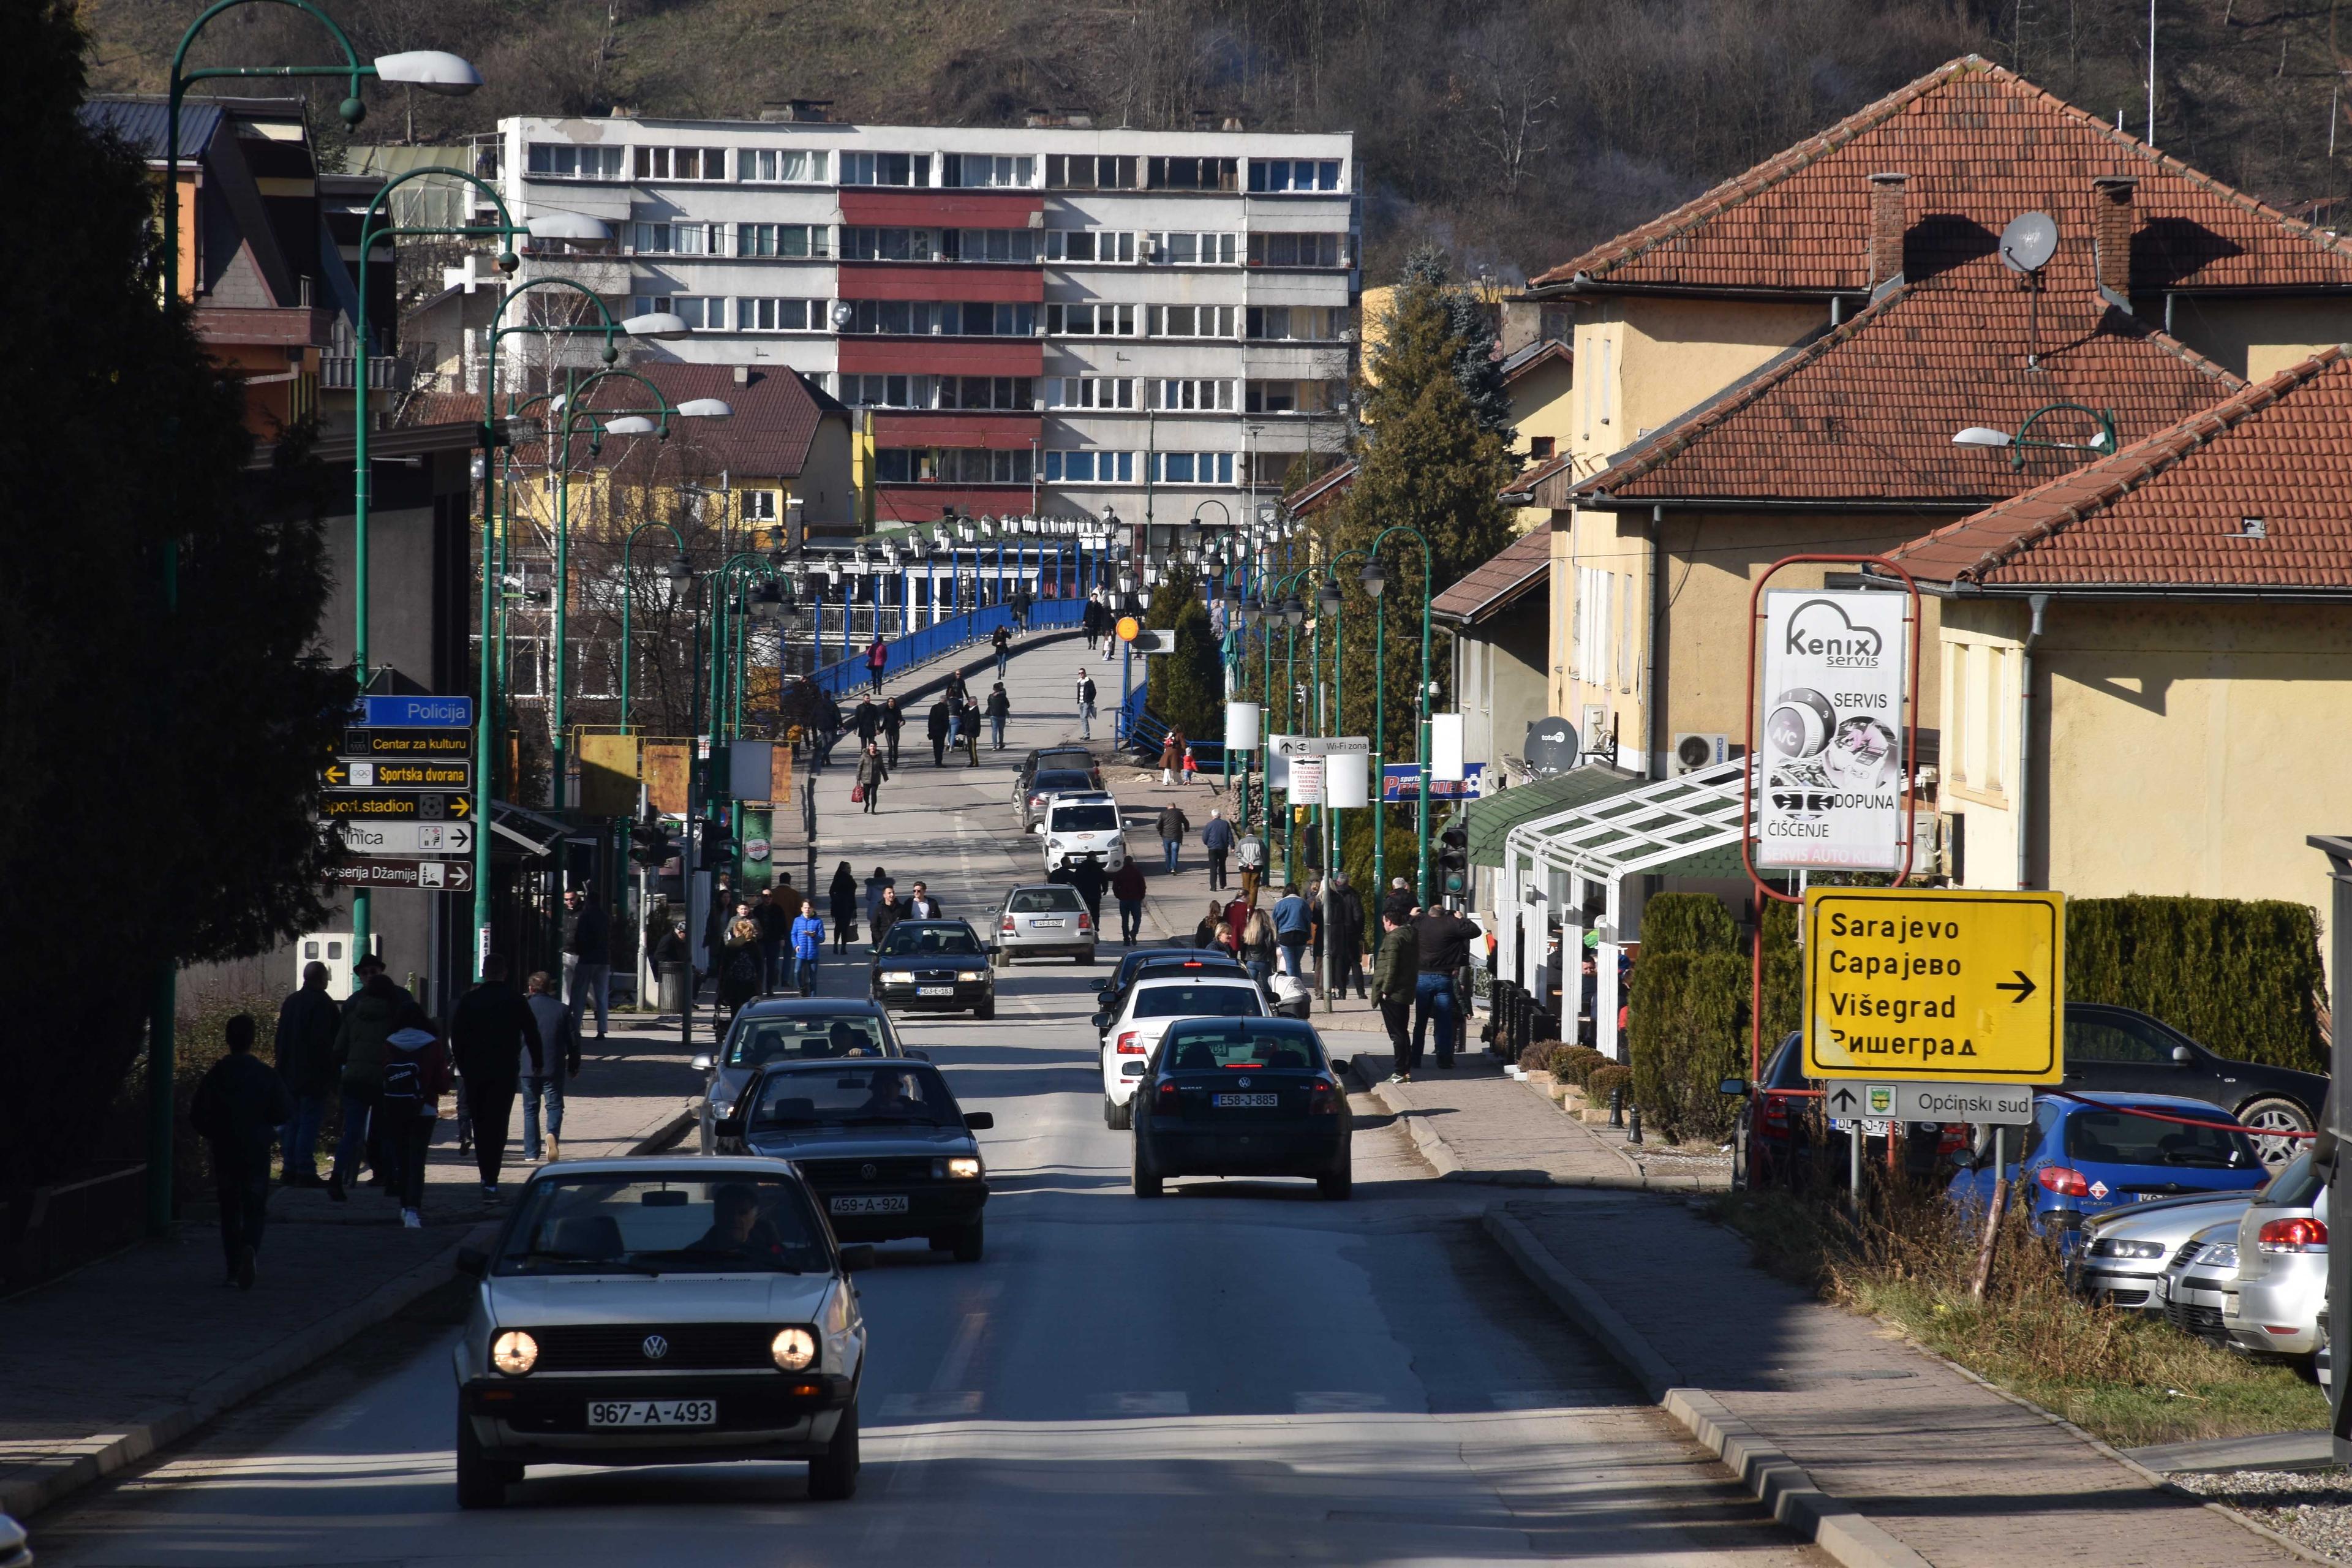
(655, 1347)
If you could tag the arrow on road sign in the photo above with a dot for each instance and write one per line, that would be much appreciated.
(1842, 1099)
(427, 876)
(2022, 986)
(406, 839)
(337, 773)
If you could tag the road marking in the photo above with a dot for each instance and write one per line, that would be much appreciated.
(1550, 1399)
(1331, 1402)
(1165, 1402)
(935, 1406)
(957, 1361)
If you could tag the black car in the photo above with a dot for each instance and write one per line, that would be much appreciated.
(1241, 1097)
(934, 966)
(884, 1146)
(1161, 962)
(1051, 782)
(792, 1028)
(1070, 758)
(2120, 1050)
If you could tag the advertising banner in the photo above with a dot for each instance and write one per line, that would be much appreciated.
(1831, 791)
(1401, 782)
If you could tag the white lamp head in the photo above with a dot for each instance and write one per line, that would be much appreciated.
(432, 69)
(568, 226)
(656, 325)
(1978, 436)
(630, 424)
(704, 408)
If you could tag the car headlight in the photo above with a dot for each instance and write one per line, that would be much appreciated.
(2108, 1246)
(514, 1353)
(897, 977)
(794, 1350)
(2221, 1255)
(963, 1167)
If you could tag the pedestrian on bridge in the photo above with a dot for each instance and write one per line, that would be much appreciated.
(878, 654)
(939, 730)
(969, 728)
(1000, 709)
(1085, 706)
(894, 719)
(871, 771)
(867, 717)
(1002, 639)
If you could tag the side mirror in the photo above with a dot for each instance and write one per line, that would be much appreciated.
(979, 1121)
(1101, 1022)
(1734, 1087)
(2183, 1055)
(701, 1064)
(918, 1056)
(1340, 1066)
(855, 1258)
(473, 1260)
(728, 1126)
(1964, 1160)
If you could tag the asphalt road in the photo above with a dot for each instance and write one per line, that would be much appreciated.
(1242, 1373)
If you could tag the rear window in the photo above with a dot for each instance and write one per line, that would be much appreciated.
(2296, 1185)
(1042, 900)
(1086, 818)
(929, 939)
(1197, 1001)
(1059, 778)
(1195, 1050)
(801, 1038)
(2114, 1137)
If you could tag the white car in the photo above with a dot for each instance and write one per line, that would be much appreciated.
(1130, 1038)
(1078, 828)
(661, 1310)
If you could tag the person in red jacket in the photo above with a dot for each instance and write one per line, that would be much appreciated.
(876, 656)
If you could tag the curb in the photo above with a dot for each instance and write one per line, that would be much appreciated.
(1768, 1473)
(1441, 1157)
(668, 1134)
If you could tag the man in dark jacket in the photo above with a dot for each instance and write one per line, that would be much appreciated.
(868, 719)
(1443, 938)
(1217, 842)
(559, 1060)
(771, 915)
(1088, 878)
(1346, 941)
(493, 1040)
(1085, 696)
(366, 1023)
(307, 1022)
(939, 732)
(239, 1105)
(587, 959)
(1173, 824)
(894, 719)
(1395, 970)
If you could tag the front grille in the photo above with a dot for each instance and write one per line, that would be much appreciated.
(2203, 1322)
(2189, 1252)
(852, 1172)
(620, 1347)
(2128, 1297)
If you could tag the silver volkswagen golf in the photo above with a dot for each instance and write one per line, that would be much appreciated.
(661, 1312)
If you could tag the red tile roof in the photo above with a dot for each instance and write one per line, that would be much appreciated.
(1496, 583)
(2173, 511)
(1981, 145)
(1323, 490)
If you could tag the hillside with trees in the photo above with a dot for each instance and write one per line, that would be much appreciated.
(1511, 132)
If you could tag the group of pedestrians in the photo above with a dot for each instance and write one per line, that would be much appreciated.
(1416, 978)
(879, 724)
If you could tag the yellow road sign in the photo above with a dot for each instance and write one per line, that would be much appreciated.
(1959, 986)
(1128, 628)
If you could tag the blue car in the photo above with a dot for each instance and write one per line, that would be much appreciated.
(2086, 1154)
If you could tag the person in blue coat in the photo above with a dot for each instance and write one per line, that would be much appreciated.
(808, 944)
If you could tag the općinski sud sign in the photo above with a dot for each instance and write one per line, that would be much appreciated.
(1835, 680)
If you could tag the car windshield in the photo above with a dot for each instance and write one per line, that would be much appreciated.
(913, 1095)
(663, 1222)
(1205, 1048)
(2118, 1137)
(791, 1038)
(1045, 901)
(1085, 818)
(1052, 779)
(2297, 1184)
(1065, 759)
(911, 939)
(1198, 1002)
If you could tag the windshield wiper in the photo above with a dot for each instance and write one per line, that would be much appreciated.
(616, 1265)
(891, 1120)
(727, 1260)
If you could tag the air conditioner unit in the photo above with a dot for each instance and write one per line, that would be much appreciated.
(1145, 247)
(1597, 731)
(1695, 751)
(1038, 218)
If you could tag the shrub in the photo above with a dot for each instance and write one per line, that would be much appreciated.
(2242, 976)
(1687, 1012)
(1784, 973)
(1537, 1056)
(1602, 1079)
(1576, 1063)
(1688, 922)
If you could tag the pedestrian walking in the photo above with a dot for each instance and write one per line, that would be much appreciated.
(921, 905)
(1217, 843)
(888, 912)
(1396, 969)
(739, 962)
(939, 731)
(1000, 709)
(587, 959)
(842, 896)
(415, 1077)
(559, 1060)
(878, 654)
(970, 731)
(1258, 946)
(867, 717)
(808, 946)
(1002, 639)
(1400, 900)
(239, 1105)
(1085, 706)
(1237, 914)
(1173, 824)
(878, 884)
(773, 917)
(1172, 755)
(958, 694)
(1128, 886)
(871, 771)
(1205, 933)
(1088, 878)
(1292, 919)
(1192, 767)
(307, 1022)
(1347, 936)
(1250, 851)
(366, 1023)
(894, 719)
(1443, 938)
(494, 1042)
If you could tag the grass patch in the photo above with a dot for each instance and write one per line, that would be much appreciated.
(2125, 1377)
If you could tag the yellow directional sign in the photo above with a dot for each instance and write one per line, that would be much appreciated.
(1931, 986)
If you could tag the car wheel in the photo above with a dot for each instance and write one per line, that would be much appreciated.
(2276, 1114)
(1336, 1187)
(1082, 958)
(940, 1241)
(1147, 1180)
(1117, 1117)
(986, 1009)
(833, 1478)
(1741, 1173)
(970, 1242)
(481, 1481)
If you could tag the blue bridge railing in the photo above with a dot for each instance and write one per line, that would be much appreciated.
(843, 676)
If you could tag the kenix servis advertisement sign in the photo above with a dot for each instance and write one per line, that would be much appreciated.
(1834, 722)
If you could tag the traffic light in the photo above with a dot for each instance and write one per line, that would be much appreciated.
(649, 844)
(1454, 858)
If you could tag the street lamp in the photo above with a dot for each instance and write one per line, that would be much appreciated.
(2102, 442)
(1375, 582)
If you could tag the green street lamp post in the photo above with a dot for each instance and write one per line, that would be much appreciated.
(2103, 442)
(1375, 582)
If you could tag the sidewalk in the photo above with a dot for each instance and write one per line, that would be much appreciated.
(127, 1355)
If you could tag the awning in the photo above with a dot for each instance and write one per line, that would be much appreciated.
(1492, 817)
(1659, 829)
(536, 832)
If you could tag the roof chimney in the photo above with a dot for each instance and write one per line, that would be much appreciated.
(2112, 220)
(742, 375)
(1886, 226)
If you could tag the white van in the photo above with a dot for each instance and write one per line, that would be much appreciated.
(1082, 826)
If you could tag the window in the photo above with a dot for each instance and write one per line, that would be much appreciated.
(788, 240)
(1193, 250)
(1089, 172)
(1090, 391)
(1190, 394)
(2119, 1138)
(1191, 1001)
(681, 163)
(973, 170)
(951, 466)
(1293, 396)
(1192, 468)
(854, 1093)
(791, 1038)
(987, 392)
(1089, 245)
(886, 245)
(673, 240)
(1043, 900)
(703, 312)
(988, 244)
(887, 390)
(1091, 321)
(1293, 324)
(952, 319)
(1297, 250)
(1268, 174)
(1592, 635)
(1196, 1048)
(760, 506)
(1539, 447)
(1190, 173)
(675, 1222)
(768, 165)
(886, 168)
(1193, 320)
(768, 315)
(1090, 468)
(557, 161)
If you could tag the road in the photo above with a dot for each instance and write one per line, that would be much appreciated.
(1240, 1373)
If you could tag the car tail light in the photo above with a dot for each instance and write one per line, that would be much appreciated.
(1954, 1139)
(1323, 1102)
(2065, 1183)
(1008, 925)
(1775, 1114)
(1167, 1094)
(1130, 1044)
(1086, 921)
(2293, 1236)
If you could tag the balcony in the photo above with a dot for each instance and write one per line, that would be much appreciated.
(384, 373)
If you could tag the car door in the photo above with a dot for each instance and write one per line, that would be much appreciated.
(2117, 1051)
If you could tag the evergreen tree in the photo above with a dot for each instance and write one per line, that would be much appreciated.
(1467, 323)
(1188, 686)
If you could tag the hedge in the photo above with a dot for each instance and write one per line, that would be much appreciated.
(1576, 1064)
(1688, 922)
(2244, 976)
(1602, 1079)
(1688, 1011)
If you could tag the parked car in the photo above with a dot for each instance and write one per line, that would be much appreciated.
(2118, 1050)
(2273, 1307)
(792, 1027)
(1045, 919)
(650, 1311)
(1055, 759)
(884, 1146)
(2195, 1281)
(1078, 828)
(1051, 782)
(1138, 962)
(1773, 1134)
(2125, 1250)
(1243, 1097)
(1156, 1003)
(933, 966)
(2085, 1155)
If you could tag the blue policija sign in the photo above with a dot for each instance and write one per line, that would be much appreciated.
(415, 712)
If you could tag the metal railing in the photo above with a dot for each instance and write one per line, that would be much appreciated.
(384, 373)
(845, 676)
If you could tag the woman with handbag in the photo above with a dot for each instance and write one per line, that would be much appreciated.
(844, 894)
(871, 771)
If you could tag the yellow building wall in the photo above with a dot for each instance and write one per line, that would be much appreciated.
(2259, 338)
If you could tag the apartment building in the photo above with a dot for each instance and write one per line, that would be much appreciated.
(1051, 319)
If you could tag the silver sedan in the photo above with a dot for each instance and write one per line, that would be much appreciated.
(1045, 919)
(2126, 1251)
(2273, 1307)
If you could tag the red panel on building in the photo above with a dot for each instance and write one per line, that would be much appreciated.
(946, 281)
(866, 207)
(991, 432)
(943, 356)
(922, 503)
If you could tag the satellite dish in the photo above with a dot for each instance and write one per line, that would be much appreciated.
(1551, 746)
(2029, 242)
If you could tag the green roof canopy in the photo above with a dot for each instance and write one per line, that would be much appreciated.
(1492, 818)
